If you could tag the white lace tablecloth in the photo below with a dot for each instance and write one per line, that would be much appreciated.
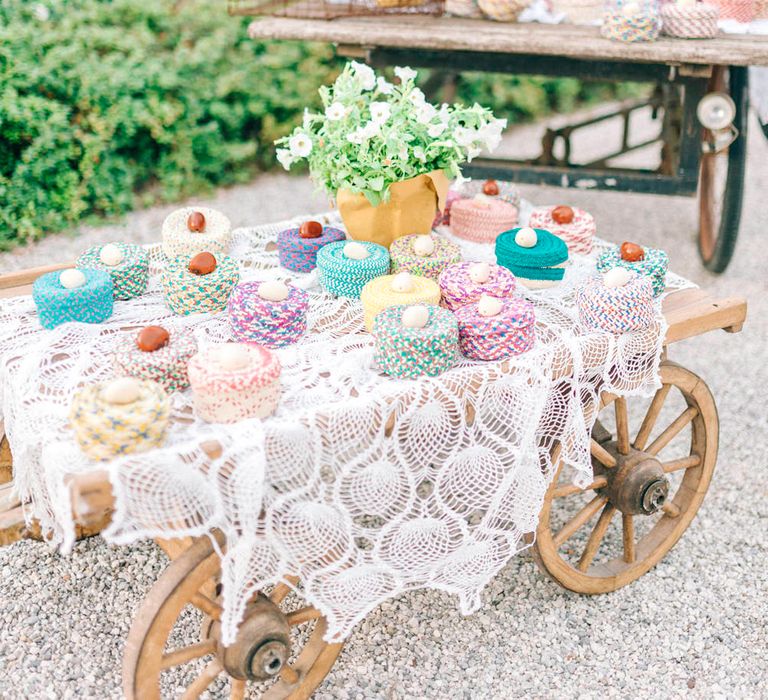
(362, 485)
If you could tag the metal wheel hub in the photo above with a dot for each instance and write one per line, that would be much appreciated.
(637, 485)
(262, 646)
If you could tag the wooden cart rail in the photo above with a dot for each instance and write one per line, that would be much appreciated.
(454, 34)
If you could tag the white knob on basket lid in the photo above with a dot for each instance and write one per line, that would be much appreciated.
(480, 272)
(489, 306)
(617, 277)
(273, 290)
(424, 245)
(402, 282)
(232, 356)
(355, 251)
(72, 278)
(121, 391)
(481, 201)
(111, 255)
(630, 9)
(526, 237)
(416, 316)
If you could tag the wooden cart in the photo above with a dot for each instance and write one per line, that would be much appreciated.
(656, 497)
(694, 161)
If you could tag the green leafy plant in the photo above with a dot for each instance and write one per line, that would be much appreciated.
(373, 133)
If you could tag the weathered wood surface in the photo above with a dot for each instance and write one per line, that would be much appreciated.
(454, 34)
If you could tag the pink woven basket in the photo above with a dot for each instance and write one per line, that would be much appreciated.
(740, 10)
(689, 21)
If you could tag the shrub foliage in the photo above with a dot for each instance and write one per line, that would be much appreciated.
(106, 105)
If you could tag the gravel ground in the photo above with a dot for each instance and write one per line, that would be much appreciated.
(693, 627)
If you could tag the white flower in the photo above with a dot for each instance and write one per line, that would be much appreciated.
(306, 120)
(403, 154)
(300, 145)
(370, 130)
(380, 112)
(425, 113)
(464, 137)
(445, 113)
(405, 74)
(365, 74)
(42, 12)
(285, 158)
(418, 154)
(459, 180)
(385, 88)
(472, 153)
(416, 97)
(435, 130)
(364, 133)
(335, 111)
(490, 134)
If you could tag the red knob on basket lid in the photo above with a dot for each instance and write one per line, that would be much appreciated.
(311, 229)
(491, 188)
(562, 214)
(202, 264)
(631, 252)
(196, 222)
(152, 338)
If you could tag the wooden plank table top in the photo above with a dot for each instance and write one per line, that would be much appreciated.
(567, 40)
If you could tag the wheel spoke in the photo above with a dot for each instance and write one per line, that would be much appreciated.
(578, 520)
(200, 683)
(622, 425)
(305, 614)
(682, 463)
(237, 690)
(186, 654)
(628, 537)
(206, 605)
(563, 491)
(289, 675)
(670, 509)
(282, 589)
(601, 454)
(596, 537)
(669, 433)
(650, 417)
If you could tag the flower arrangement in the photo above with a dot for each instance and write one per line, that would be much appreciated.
(374, 133)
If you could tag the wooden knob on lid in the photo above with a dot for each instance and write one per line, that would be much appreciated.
(152, 338)
(311, 229)
(402, 282)
(489, 306)
(122, 391)
(232, 356)
(72, 278)
(526, 237)
(424, 245)
(416, 316)
(491, 188)
(631, 252)
(617, 277)
(196, 222)
(202, 264)
(111, 255)
(562, 215)
(273, 290)
(355, 251)
(480, 272)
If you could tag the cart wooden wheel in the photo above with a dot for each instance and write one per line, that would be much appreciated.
(281, 651)
(645, 492)
(721, 177)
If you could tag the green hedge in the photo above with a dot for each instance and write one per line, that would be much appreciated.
(109, 105)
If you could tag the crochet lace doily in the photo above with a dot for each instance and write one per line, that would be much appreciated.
(362, 485)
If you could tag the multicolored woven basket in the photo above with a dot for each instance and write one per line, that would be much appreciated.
(689, 21)
(129, 277)
(91, 303)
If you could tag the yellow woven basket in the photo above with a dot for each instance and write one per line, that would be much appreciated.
(502, 10)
